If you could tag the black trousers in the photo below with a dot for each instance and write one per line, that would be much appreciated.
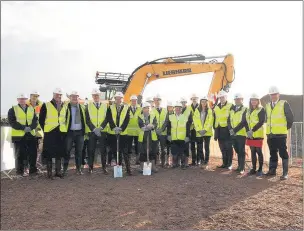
(76, 137)
(194, 149)
(277, 144)
(239, 147)
(168, 145)
(178, 148)
(92, 144)
(130, 144)
(163, 150)
(123, 148)
(85, 152)
(26, 152)
(254, 152)
(226, 150)
(203, 141)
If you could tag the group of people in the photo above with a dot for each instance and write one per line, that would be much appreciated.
(154, 130)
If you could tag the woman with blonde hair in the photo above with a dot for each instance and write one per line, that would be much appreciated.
(255, 133)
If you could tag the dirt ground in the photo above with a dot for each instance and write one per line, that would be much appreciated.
(172, 199)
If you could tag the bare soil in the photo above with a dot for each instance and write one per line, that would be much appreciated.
(172, 199)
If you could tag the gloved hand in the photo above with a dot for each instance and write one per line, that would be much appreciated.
(97, 131)
(150, 126)
(27, 129)
(169, 138)
(158, 131)
(117, 130)
(232, 133)
(187, 139)
(202, 132)
(250, 134)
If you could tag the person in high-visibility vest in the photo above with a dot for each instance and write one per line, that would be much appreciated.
(133, 129)
(118, 117)
(237, 128)
(203, 125)
(194, 148)
(53, 141)
(178, 131)
(160, 114)
(96, 113)
(221, 131)
(279, 121)
(255, 118)
(147, 123)
(188, 113)
(170, 109)
(23, 121)
(34, 102)
(72, 122)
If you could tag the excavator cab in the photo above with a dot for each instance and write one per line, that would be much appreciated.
(110, 82)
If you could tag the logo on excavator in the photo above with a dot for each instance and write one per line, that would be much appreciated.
(179, 71)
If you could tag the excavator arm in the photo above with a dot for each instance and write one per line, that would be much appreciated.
(171, 67)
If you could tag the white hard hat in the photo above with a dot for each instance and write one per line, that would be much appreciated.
(157, 96)
(22, 96)
(74, 93)
(170, 104)
(273, 90)
(183, 99)
(254, 96)
(34, 92)
(118, 94)
(221, 93)
(238, 96)
(194, 96)
(146, 104)
(95, 91)
(204, 97)
(133, 97)
(178, 104)
(149, 99)
(58, 91)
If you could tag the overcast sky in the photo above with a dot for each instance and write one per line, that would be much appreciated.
(62, 44)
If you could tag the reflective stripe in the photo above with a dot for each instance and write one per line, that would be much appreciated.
(65, 122)
(121, 118)
(207, 125)
(252, 119)
(160, 118)
(221, 115)
(97, 116)
(52, 118)
(133, 128)
(236, 119)
(141, 133)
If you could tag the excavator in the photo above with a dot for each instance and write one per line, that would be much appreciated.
(169, 67)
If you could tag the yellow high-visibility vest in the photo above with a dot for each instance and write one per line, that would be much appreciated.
(221, 115)
(236, 119)
(64, 118)
(141, 133)
(39, 132)
(276, 119)
(121, 118)
(97, 116)
(207, 125)
(160, 118)
(178, 127)
(252, 119)
(52, 118)
(192, 113)
(133, 128)
(22, 118)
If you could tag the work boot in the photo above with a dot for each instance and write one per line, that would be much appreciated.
(285, 169)
(154, 169)
(90, 169)
(58, 169)
(105, 170)
(271, 172)
(252, 172)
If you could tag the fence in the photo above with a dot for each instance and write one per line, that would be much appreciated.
(295, 140)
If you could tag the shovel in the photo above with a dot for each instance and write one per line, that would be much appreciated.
(148, 164)
(117, 168)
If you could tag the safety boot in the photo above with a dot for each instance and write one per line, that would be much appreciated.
(154, 169)
(285, 169)
(272, 170)
(58, 169)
